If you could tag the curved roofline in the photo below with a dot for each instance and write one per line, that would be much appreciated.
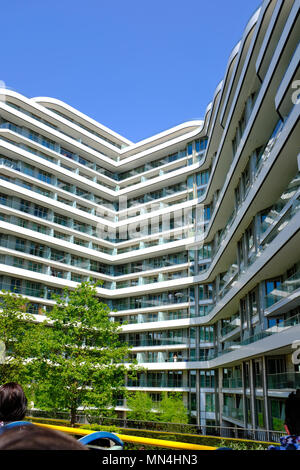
(129, 144)
(185, 125)
(46, 99)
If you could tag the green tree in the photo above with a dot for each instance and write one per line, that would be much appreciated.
(15, 328)
(79, 356)
(172, 409)
(141, 407)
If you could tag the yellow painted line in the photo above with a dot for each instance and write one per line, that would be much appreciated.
(174, 432)
(31, 418)
(204, 435)
(133, 439)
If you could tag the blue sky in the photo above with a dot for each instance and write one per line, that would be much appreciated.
(137, 66)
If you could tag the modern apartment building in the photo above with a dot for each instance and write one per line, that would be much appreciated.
(194, 231)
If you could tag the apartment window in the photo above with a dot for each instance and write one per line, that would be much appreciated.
(207, 378)
(152, 317)
(57, 255)
(44, 176)
(156, 397)
(36, 267)
(207, 213)
(62, 236)
(246, 179)
(241, 255)
(277, 414)
(253, 302)
(257, 367)
(61, 219)
(175, 379)
(203, 310)
(80, 192)
(276, 365)
(53, 291)
(79, 241)
(28, 169)
(243, 310)
(33, 288)
(18, 262)
(20, 244)
(260, 415)
(58, 273)
(83, 208)
(3, 199)
(24, 206)
(65, 201)
(67, 153)
(205, 291)
(209, 402)
(238, 198)
(250, 240)
(40, 211)
(201, 144)
(36, 249)
(76, 277)
(78, 261)
(193, 379)
(270, 285)
(206, 334)
(24, 184)
(80, 226)
(64, 186)
(33, 309)
(247, 375)
(204, 252)
(248, 410)
(202, 178)
(15, 285)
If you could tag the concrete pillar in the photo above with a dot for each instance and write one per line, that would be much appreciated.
(198, 407)
(252, 392)
(265, 393)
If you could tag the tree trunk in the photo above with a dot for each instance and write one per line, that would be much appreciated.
(73, 416)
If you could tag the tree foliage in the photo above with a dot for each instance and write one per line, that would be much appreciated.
(78, 355)
(15, 330)
(141, 407)
(172, 409)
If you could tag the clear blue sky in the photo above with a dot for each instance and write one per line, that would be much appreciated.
(137, 66)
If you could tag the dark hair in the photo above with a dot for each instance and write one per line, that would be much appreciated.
(13, 402)
(32, 437)
(292, 413)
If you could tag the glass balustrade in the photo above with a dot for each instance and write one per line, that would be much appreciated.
(280, 225)
(234, 382)
(156, 342)
(227, 280)
(283, 291)
(290, 380)
(164, 382)
(232, 412)
(228, 329)
(262, 161)
(92, 165)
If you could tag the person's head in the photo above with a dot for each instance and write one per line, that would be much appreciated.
(292, 413)
(13, 402)
(32, 437)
